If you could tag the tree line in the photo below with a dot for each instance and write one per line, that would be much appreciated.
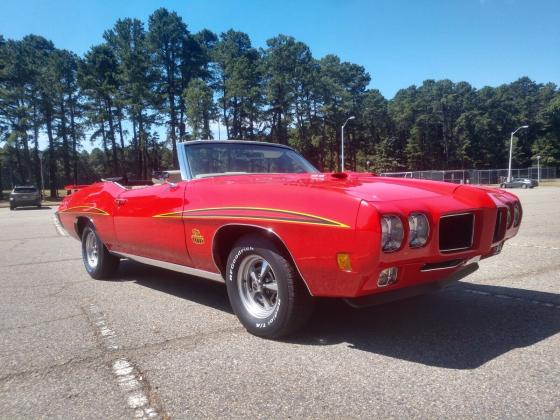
(145, 76)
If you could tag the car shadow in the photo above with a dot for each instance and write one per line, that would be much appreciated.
(32, 208)
(461, 327)
(206, 292)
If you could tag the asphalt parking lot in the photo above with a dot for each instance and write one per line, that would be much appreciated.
(153, 343)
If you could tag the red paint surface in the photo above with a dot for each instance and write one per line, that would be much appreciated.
(354, 204)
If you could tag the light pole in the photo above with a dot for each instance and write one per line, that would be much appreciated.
(511, 149)
(539, 169)
(342, 145)
(40, 154)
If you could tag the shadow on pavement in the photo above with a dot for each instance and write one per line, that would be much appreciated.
(195, 289)
(462, 327)
(31, 208)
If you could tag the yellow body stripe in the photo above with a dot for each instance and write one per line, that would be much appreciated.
(75, 210)
(182, 215)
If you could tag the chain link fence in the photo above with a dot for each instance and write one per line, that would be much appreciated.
(478, 176)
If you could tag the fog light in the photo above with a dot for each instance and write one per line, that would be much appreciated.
(387, 277)
(343, 260)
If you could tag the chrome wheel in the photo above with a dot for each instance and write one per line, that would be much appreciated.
(92, 250)
(257, 286)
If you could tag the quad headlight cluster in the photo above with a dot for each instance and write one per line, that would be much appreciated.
(392, 231)
(419, 230)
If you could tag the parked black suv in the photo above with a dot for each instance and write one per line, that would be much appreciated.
(25, 196)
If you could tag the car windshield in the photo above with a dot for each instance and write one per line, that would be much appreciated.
(25, 189)
(207, 159)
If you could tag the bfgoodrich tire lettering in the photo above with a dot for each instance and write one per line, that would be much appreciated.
(98, 261)
(264, 288)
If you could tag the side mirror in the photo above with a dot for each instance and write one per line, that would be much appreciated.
(166, 177)
(163, 177)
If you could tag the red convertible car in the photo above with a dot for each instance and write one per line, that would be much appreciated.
(262, 219)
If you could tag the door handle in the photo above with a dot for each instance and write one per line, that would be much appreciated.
(120, 201)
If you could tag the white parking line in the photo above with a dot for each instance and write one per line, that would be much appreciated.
(128, 377)
(58, 226)
(130, 381)
(535, 246)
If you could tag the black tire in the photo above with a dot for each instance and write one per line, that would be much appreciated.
(106, 264)
(502, 186)
(12, 208)
(292, 305)
(39, 206)
(524, 186)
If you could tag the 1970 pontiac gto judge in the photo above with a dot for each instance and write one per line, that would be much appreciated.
(278, 232)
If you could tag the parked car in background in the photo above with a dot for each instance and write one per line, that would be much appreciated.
(25, 196)
(519, 183)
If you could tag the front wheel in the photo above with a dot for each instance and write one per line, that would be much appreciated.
(99, 262)
(503, 186)
(265, 290)
(524, 186)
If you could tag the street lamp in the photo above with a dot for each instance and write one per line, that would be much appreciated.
(40, 154)
(511, 149)
(539, 169)
(342, 145)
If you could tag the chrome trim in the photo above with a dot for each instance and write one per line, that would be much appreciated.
(173, 267)
(455, 214)
(442, 268)
(183, 163)
(472, 233)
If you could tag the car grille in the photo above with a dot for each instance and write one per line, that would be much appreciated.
(456, 232)
(501, 222)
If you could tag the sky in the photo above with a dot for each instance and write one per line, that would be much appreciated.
(400, 43)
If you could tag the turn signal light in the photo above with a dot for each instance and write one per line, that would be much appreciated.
(387, 277)
(343, 260)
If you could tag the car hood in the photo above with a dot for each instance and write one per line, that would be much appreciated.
(358, 185)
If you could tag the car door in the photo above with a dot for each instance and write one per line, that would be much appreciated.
(148, 223)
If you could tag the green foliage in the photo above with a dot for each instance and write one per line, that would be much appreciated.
(200, 108)
(121, 91)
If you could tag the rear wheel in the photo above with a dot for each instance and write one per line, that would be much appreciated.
(265, 290)
(99, 262)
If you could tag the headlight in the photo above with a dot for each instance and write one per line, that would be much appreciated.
(419, 230)
(392, 233)
(516, 214)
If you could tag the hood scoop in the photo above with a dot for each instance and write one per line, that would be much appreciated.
(339, 175)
